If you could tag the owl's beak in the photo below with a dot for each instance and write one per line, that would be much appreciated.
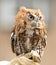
(33, 24)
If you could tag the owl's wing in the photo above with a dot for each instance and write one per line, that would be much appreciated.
(13, 41)
(15, 45)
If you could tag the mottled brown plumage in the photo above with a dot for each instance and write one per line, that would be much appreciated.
(29, 32)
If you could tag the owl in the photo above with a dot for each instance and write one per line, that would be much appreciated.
(29, 33)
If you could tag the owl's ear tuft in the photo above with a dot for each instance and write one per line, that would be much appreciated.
(23, 9)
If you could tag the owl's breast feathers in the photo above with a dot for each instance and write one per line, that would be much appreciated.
(28, 40)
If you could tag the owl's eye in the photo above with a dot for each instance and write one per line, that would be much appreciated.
(40, 17)
(31, 17)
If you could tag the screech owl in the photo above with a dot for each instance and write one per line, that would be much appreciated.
(29, 32)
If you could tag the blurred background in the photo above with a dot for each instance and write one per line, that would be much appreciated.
(8, 10)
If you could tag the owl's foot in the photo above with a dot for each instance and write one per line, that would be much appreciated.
(35, 56)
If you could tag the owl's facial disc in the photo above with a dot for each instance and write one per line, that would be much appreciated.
(35, 21)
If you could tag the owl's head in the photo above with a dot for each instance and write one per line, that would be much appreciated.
(30, 18)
